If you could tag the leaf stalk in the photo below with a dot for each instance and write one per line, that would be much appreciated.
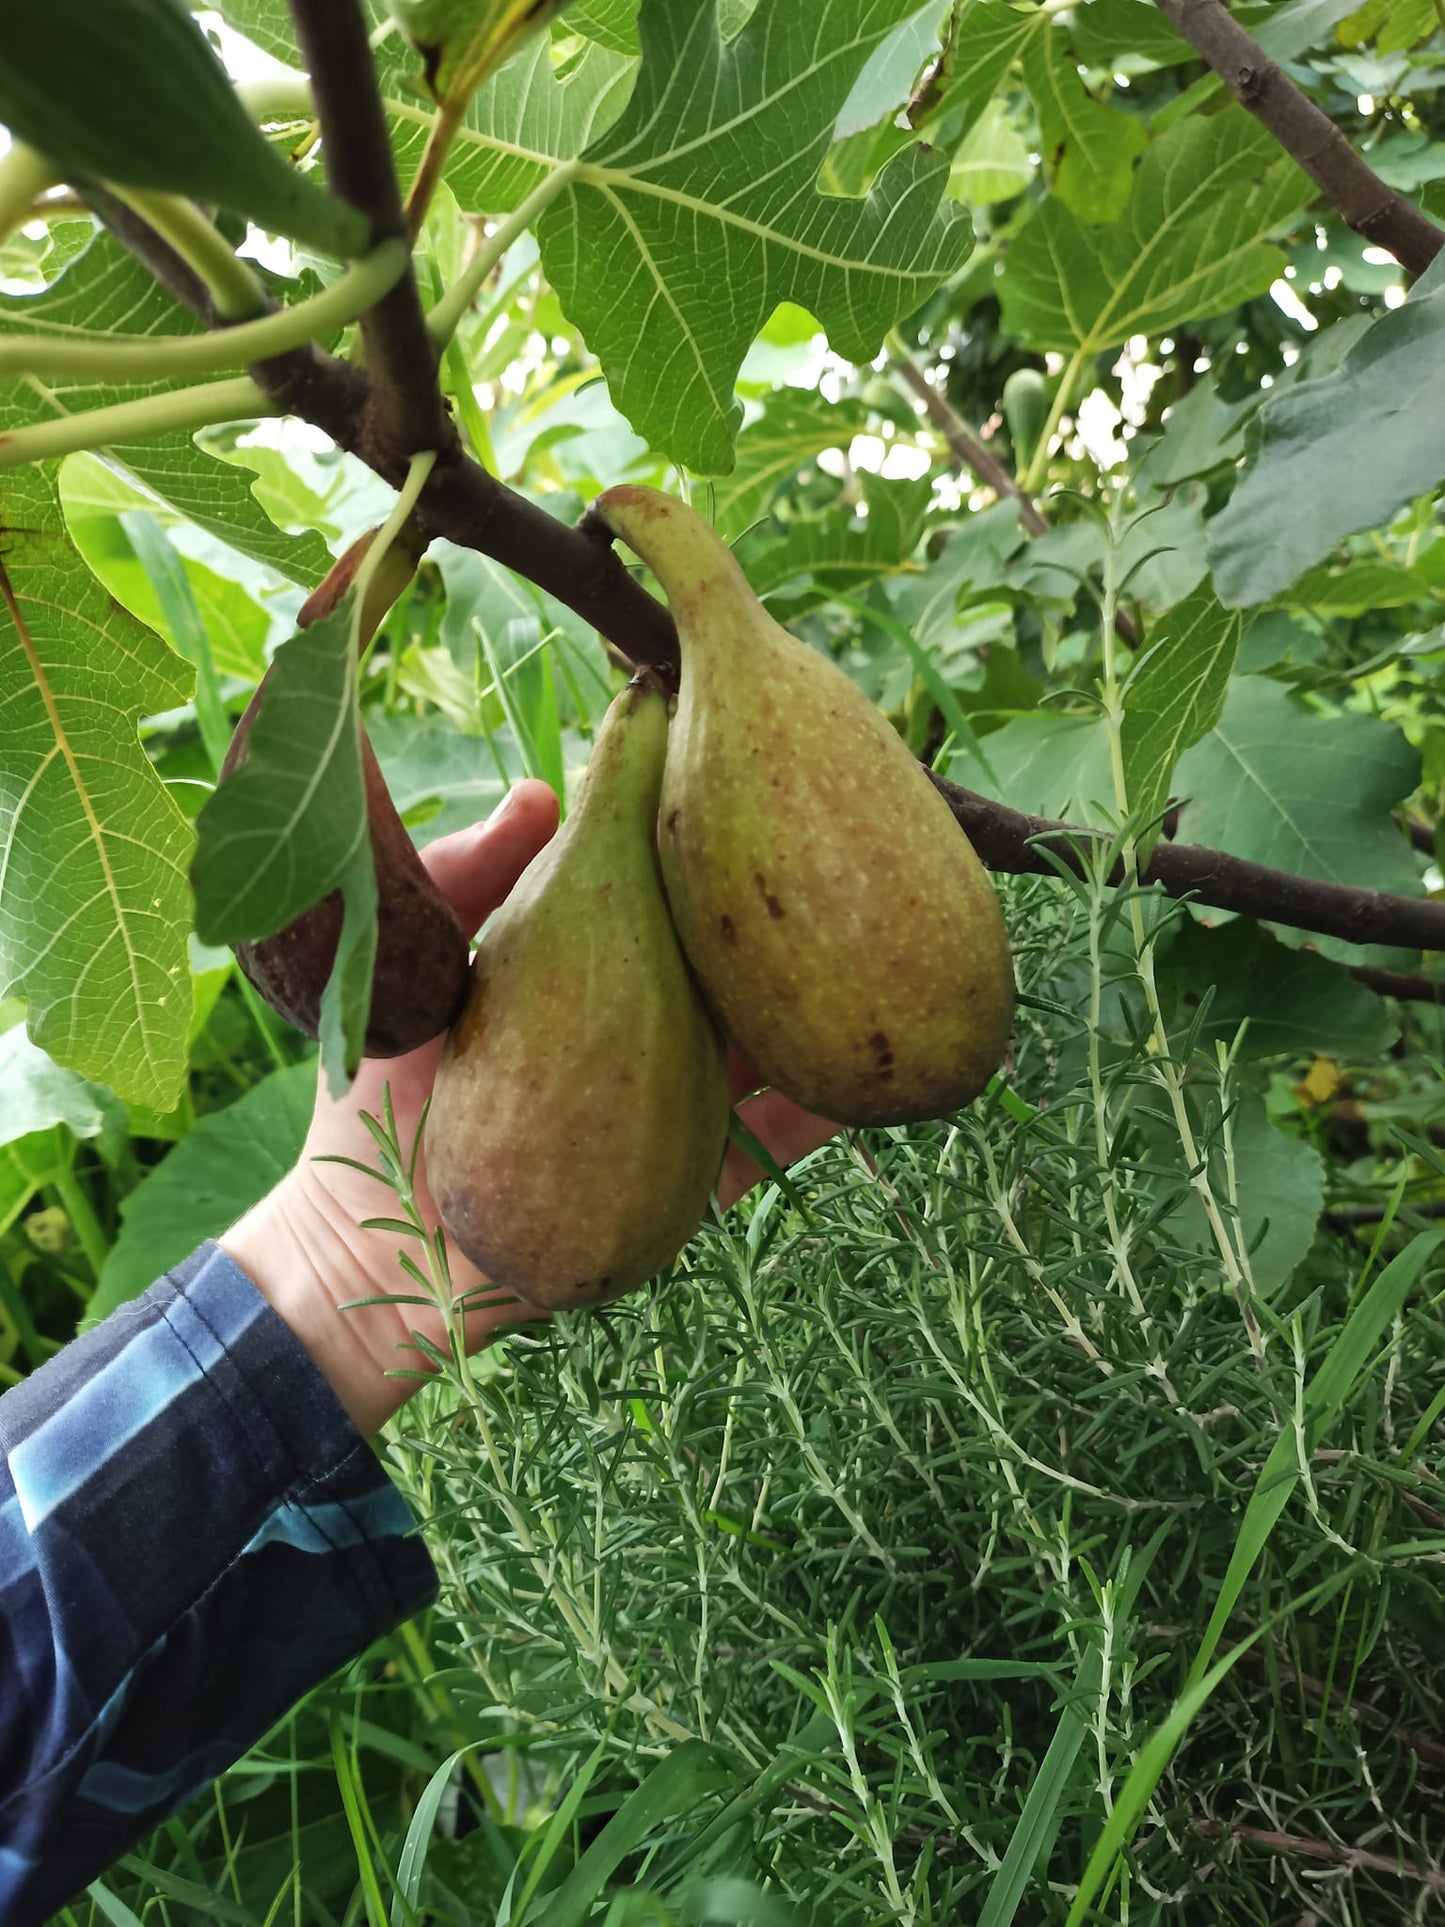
(130, 421)
(158, 358)
(235, 292)
(443, 320)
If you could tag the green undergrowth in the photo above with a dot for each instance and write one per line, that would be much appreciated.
(997, 1528)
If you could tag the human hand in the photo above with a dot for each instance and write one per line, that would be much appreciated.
(304, 1246)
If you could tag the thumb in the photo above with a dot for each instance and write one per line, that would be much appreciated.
(476, 868)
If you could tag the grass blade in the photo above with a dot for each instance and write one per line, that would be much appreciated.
(1351, 1352)
(675, 1785)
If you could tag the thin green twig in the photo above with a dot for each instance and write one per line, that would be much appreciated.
(444, 318)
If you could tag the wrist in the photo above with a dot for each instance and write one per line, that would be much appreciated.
(307, 1263)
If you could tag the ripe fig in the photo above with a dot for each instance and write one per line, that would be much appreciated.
(847, 936)
(580, 1111)
(420, 976)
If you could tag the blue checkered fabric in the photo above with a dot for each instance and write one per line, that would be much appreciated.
(192, 1534)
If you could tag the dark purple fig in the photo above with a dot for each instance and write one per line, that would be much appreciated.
(419, 981)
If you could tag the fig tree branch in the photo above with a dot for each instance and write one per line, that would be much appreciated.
(1376, 212)
(1011, 841)
(461, 501)
(1408, 986)
(365, 413)
(962, 440)
(404, 392)
(1421, 835)
(989, 468)
(403, 409)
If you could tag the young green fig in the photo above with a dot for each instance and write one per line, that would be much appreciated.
(847, 936)
(463, 42)
(1026, 410)
(580, 1111)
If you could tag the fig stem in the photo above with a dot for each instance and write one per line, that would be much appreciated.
(282, 97)
(488, 47)
(24, 175)
(154, 358)
(450, 114)
(443, 320)
(235, 291)
(187, 408)
(416, 479)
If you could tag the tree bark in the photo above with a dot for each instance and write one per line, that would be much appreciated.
(1306, 132)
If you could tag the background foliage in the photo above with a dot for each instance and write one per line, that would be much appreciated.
(874, 1566)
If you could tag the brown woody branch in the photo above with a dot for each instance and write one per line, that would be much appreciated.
(1421, 835)
(1362, 1710)
(965, 444)
(1302, 1847)
(397, 409)
(1409, 986)
(367, 413)
(404, 395)
(462, 502)
(465, 504)
(972, 455)
(1383, 217)
(468, 506)
(1009, 840)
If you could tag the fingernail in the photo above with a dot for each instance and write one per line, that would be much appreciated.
(503, 809)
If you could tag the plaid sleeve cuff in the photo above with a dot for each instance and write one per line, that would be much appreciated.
(192, 1535)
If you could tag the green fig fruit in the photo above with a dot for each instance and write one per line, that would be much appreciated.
(465, 41)
(1026, 410)
(580, 1111)
(131, 92)
(847, 936)
(419, 978)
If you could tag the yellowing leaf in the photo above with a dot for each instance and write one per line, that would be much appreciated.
(1319, 1083)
